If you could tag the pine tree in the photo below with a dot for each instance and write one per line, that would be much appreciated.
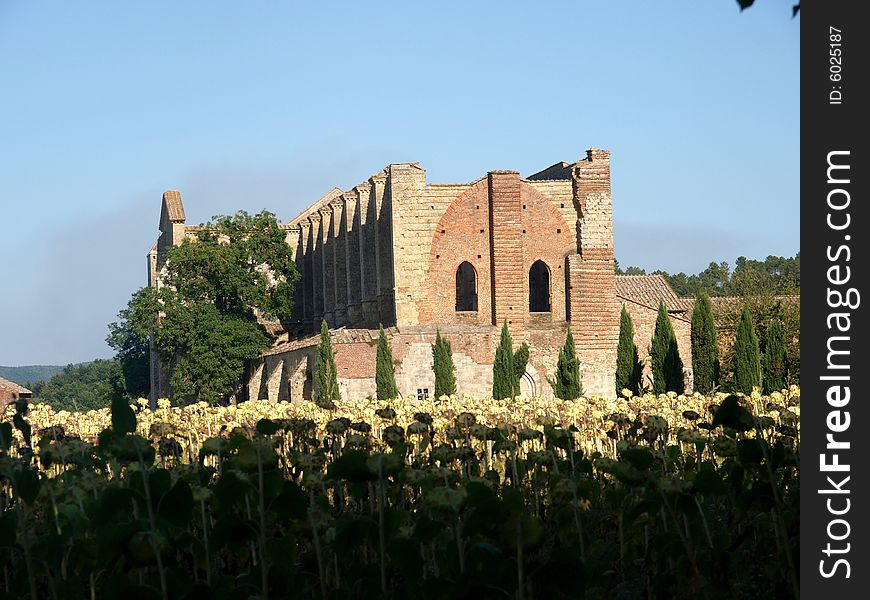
(775, 358)
(566, 384)
(628, 366)
(503, 367)
(747, 356)
(385, 378)
(327, 373)
(442, 365)
(521, 359)
(705, 350)
(667, 367)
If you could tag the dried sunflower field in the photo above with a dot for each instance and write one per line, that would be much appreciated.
(640, 497)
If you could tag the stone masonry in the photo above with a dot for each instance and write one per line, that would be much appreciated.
(539, 251)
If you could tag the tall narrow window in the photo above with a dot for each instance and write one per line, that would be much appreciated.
(539, 287)
(466, 288)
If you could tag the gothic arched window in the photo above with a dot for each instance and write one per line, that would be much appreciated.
(539, 287)
(466, 288)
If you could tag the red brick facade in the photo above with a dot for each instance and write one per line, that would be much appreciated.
(389, 250)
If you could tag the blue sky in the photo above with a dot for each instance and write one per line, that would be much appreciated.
(251, 105)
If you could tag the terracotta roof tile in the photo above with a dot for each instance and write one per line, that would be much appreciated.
(11, 386)
(174, 207)
(649, 290)
(338, 336)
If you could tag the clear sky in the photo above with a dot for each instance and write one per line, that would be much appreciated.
(251, 105)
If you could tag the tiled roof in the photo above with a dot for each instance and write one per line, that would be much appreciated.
(338, 336)
(649, 290)
(174, 207)
(11, 386)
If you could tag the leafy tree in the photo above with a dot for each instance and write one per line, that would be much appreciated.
(629, 367)
(705, 348)
(521, 360)
(328, 392)
(744, 4)
(667, 366)
(385, 377)
(566, 384)
(775, 275)
(747, 356)
(775, 358)
(205, 319)
(130, 340)
(86, 386)
(503, 374)
(442, 362)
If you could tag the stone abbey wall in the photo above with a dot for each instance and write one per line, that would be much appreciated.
(388, 252)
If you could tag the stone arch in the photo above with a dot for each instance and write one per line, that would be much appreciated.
(540, 299)
(466, 287)
(529, 382)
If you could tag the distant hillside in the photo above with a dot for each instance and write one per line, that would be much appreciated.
(30, 373)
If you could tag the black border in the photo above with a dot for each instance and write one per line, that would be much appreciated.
(827, 127)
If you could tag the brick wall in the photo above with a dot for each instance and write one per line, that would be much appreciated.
(593, 307)
(388, 250)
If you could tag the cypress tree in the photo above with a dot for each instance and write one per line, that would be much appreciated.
(503, 367)
(566, 384)
(747, 356)
(705, 350)
(327, 373)
(628, 366)
(667, 367)
(775, 358)
(521, 359)
(442, 365)
(385, 378)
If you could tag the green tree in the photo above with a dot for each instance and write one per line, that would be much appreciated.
(130, 340)
(775, 358)
(206, 318)
(442, 365)
(328, 392)
(629, 367)
(85, 386)
(566, 384)
(385, 377)
(503, 374)
(667, 366)
(705, 348)
(521, 360)
(747, 356)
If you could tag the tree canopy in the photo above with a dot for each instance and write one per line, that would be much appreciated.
(775, 275)
(86, 386)
(217, 289)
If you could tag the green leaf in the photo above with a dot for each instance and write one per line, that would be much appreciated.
(5, 436)
(708, 481)
(350, 466)
(268, 426)
(123, 417)
(23, 426)
(640, 458)
(8, 529)
(176, 506)
(26, 484)
(750, 452)
(731, 414)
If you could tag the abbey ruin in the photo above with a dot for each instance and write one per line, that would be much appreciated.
(534, 252)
